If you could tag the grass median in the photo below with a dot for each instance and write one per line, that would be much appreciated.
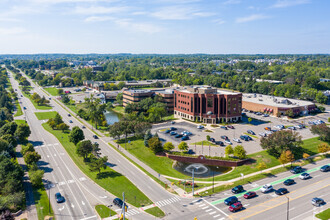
(52, 90)
(40, 107)
(325, 215)
(19, 111)
(20, 121)
(205, 143)
(110, 180)
(45, 115)
(155, 211)
(42, 203)
(104, 211)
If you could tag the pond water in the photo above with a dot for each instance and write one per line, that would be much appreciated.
(112, 117)
(201, 170)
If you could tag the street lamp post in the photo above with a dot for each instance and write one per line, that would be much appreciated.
(287, 209)
(49, 186)
(193, 171)
(213, 181)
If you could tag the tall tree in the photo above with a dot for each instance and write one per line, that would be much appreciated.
(76, 135)
(84, 148)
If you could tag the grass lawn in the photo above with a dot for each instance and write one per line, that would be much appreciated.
(45, 115)
(325, 215)
(109, 179)
(41, 107)
(169, 118)
(41, 202)
(251, 135)
(119, 109)
(104, 211)
(20, 121)
(311, 145)
(205, 143)
(155, 211)
(52, 91)
(19, 111)
(208, 131)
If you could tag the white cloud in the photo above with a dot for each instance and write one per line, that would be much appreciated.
(232, 2)
(219, 21)
(253, 17)
(12, 31)
(99, 18)
(138, 26)
(99, 10)
(289, 3)
(69, 1)
(179, 13)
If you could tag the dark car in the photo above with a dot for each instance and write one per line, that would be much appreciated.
(244, 137)
(178, 136)
(172, 122)
(71, 121)
(118, 202)
(83, 127)
(325, 168)
(251, 132)
(289, 182)
(59, 198)
(95, 136)
(237, 189)
(224, 127)
(173, 128)
(212, 139)
(69, 115)
(235, 207)
(231, 200)
(184, 138)
(296, 170)
(317, 201)
(224, 137)
(190, 151)
(24, 108)
(167, 131)
(281, 191)
(250, 195)
(173, 133)
(220, 143)
(230, 126)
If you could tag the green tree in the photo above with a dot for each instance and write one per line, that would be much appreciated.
(98, 163)
(23, 132)
(229, 150)
(65, 99)
(76, 135)
(36, 177)
(119, 98)
(115, 130)
(208, 137)
(286, 157)
(321, 98)
(168, 146)
(63, 127)
(155, 145)
(31, 157)
(183, 146)
(60, 91)
(323, 148)
(261, 166)
(322, 130)
(240, 152)
(84, 148)
(27, 148)
(10, 139)
(147, 136)
(58, 119)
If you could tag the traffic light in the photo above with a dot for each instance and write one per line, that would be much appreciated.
(125, 208)
(121, 217)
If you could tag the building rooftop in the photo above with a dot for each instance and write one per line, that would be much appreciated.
(138, 90)
(165, 91)
(274, 100)
(204, 89)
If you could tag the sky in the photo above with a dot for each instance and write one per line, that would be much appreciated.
(165, 26)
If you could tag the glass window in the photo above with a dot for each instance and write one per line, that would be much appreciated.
(209, 102)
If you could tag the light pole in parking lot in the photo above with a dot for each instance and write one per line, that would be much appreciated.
(287, 208)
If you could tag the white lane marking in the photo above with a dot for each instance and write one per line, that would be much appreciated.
(216, 215)
(47, 155)
(202, 205)
(205, 207)
(195, 200)
(56, 144)
(61, 183)
(89, 217)
(43, 146)
(70, 181)
(60, 209)
(208, 210)
(221, 218)
(72, 205)
(49, 145)
(291, 209)
(211, 213)
(54, 155)
(102, 197)
(82, 202)
(246, 205)
(83, 179)
(216, 208)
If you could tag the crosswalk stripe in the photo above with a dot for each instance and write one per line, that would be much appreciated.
(202, 205)
(205, 207)
(211, 213)
(216, 216)
(208, 210)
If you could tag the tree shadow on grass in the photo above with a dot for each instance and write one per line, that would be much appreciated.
(107, 174)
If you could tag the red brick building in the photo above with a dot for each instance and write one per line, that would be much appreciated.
(207, 104)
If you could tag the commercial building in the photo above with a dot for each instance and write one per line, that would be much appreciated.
(207, 104)
(136, 95)
(276, 105)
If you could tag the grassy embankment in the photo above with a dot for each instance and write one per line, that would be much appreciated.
(109, 179)
(45, 115)
(42, 203)
(40, 107)
(325, 215)
(52, 90)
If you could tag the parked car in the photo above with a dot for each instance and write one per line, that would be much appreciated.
(268, 132)
(231, 200)
(50, 98)
(296, 170)
(173, 128)
(70, 121)
(95, 136)
(167, 131)
(224, 127)
(230, 126)
(325, 168)
(258, 113)
(251, 132)
(288, 182)
(83, 127)
(227, 141)
(237, 140)
(317, 201)
(280, 127)
(268, 129)
(212, 139)
(262, 134)
(200, 126)
(59, 198)
(69, 115)
(24, 108)
(237, 189)
(311, 123)
(172, 122)
(178, 136)
(224, 137)
(118, 202)
(235, 207)
(281, 191)
(244, 137)
(265, 115)
(184, 138)
(220, 143)
(173, 133)
(250, 195)
(292, 128)
(266, 188)
(304, 176)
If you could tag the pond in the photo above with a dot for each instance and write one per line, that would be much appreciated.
(200, 170)
(112, 117)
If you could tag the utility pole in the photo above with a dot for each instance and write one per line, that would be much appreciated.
(287, 209)
(213, 181)
(193, 181)
(124, 205)
(49, 196)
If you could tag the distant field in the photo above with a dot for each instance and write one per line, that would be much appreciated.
(51, 90)
(45, 115)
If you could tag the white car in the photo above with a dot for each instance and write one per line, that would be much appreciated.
(304, 176)
(200, 126)
(237, 140)
(228, 142)
(266, 188)
(263, 134)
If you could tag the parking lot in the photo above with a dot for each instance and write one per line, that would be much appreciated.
(252, 146)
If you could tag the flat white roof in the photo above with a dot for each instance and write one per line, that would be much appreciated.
(274, 100)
